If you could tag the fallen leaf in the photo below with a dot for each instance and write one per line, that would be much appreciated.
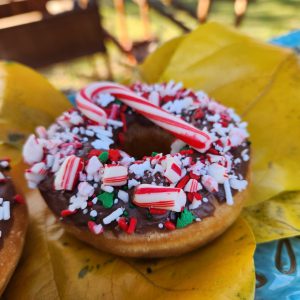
(276, 218)
(27, 100)
(260, 81)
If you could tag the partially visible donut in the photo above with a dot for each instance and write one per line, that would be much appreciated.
(97, 170)
(13, 225)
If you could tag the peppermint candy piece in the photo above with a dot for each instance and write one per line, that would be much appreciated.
(192, 186)
(173, 169)
(67, 175)
(210, 183)
(36, 174)
(115, 175)
(218, 172)
(32, 150)
(90, 110)
(147, 195)
(95, 228)
(93, 166)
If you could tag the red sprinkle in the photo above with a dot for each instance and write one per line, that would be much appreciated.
(19, 199)
(187, 152)
(183, 182)
(114, 154)
(122, 224)
(132, 225)
(123, 119)
(190, 196)
(67, 212)
(157, 211)
(94, 152)
(213, 151)
(169, 225)
(199, 114)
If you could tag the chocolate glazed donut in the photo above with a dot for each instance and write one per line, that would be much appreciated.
(121, 183)
(13, 225)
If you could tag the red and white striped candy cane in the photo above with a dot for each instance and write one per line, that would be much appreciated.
(193, 136)
(91, 110)
(162, 197)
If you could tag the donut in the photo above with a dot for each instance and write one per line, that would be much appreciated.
(142, 171)
(13, 225)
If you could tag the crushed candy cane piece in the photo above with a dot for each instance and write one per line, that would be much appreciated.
(115, 175)
(147, 195)
(32, 150)
(67, 175)
(210, 183)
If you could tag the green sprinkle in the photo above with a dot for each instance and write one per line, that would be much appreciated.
(93, 218)
(186, 218)
(154, 153)
(103, 156)
(107, 199)
(125, 213)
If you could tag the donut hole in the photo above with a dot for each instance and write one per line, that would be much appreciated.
(141, 140)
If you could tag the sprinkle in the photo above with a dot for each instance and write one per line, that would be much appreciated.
(169, 225)
(161, 225)
(186, 218)
(122, 195)
(114, 154)
(93, 213)
(67, 212)
(94, 228)
(183, 182)
(113, 216)
(228, 194)
(238, 184)
(107, 188)
(132, 225)
(123, 224)
(19, 199)
(104, 156)
(106, 199)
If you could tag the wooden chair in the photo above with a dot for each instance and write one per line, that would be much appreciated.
(53, 38)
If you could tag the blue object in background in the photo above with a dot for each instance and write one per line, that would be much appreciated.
(290, 40)
(277, 266)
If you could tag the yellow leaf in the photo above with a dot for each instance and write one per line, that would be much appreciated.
(275, 219)
(27, 100)
(261, 82)
(150, 69)
(58, 266)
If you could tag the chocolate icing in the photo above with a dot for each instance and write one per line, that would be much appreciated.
(7, 192)
(141, 138)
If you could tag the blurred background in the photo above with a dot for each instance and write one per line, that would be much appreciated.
(75, 42)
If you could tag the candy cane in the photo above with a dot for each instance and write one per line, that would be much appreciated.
(67, 175)
(115, 175)
(194, 137)
(147, 195)
(91, 110)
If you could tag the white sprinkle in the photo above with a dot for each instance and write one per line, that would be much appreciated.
(228, 195)
(116, 201)
(122, 195)
(161, 225)
(95, 200)
(205, 200)
(132, 183)
(114, 123)
(198, 220)
(93, 213)
(113, 216)
(107, 188)
(6, 210)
